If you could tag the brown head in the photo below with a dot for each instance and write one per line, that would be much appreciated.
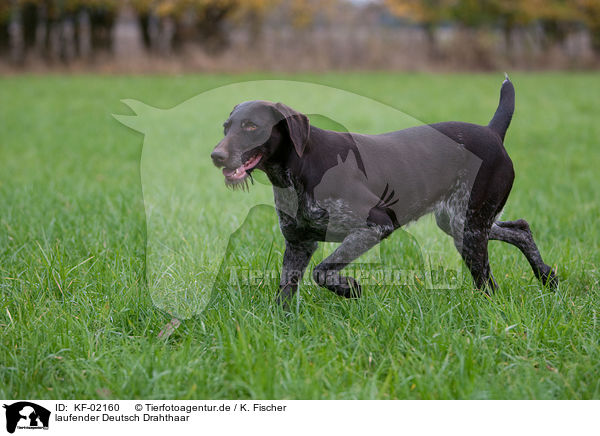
(254, 132)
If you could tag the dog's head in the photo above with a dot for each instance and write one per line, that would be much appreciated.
(255, 132)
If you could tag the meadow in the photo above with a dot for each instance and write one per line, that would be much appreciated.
(77, 321)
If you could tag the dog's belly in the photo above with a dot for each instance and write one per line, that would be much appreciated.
(345, 217)
(334, 216)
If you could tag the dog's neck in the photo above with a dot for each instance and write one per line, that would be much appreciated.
(285, 168)
(278, 175)
(282, 168)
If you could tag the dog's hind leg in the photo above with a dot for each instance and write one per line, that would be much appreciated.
(472, 244)
(295, 260)
(519, 234)
(475, 254)
(470, 235)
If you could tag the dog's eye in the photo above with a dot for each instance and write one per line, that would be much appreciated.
(249, 125)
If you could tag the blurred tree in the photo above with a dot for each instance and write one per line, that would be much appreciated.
(15, 32)
(303, 12)
(471, 13)
(254, 12)
(4, 17)
(66, 29)
(509, 14)
(590, 11)
(556, 17)
(428, 13)
(162, 20)
(58, 29)
(211, 18)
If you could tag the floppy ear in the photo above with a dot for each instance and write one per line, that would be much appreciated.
(298, 126)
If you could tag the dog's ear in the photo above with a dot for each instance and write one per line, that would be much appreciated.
(298, 126)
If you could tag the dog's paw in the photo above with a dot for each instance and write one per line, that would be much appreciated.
(348, 288)
(549, 278)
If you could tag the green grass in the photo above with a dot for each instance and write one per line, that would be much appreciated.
(77, 321)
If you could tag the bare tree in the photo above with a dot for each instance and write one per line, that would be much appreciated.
(84, 26)
(15, 34)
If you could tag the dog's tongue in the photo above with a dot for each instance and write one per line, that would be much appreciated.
(251, 163)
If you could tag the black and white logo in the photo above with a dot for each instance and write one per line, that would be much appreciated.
(26, 415)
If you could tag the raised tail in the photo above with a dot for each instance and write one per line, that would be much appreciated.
(501, 119)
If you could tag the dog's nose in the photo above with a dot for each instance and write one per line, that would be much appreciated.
(219, 157)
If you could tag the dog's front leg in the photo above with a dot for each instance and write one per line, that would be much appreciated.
(295, 261)
(327, 273)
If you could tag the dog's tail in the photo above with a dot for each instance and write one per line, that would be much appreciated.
(501, 119)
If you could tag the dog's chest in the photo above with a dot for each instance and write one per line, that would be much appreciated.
(302, 217)
(298, 211)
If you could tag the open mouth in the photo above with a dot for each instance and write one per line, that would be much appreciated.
(237, 176)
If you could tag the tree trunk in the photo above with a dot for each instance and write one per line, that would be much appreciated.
(85, 34)
(167, 33)
(432, 45)
(595, 38)
(255, 27)
(507, 30)
(153, 32)
(41, 30)
(127, 39)
(15, 35)
(554, 32)
(68, 39)
(54, 40)
(210, 25)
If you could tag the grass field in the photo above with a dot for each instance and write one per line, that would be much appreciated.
(76, 320)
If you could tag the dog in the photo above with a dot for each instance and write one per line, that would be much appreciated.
(357, 189)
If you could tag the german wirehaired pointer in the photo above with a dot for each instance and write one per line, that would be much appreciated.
(357, 189)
